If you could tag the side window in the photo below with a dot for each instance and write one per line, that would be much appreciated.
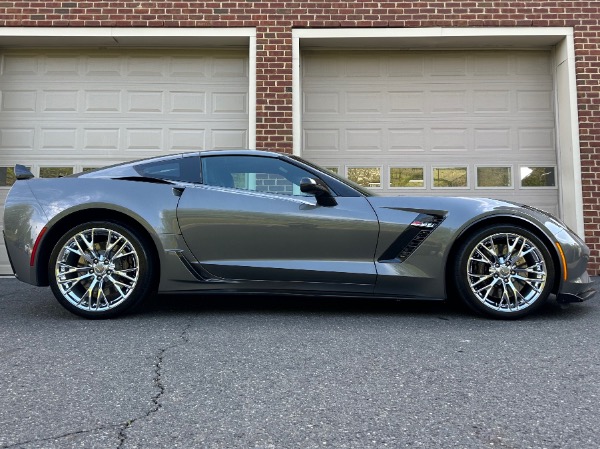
(186, 169)
(254, 173)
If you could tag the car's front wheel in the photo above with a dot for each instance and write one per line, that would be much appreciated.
(100, 270)
(504, 271)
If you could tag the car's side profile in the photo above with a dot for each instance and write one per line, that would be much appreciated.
(263, 222)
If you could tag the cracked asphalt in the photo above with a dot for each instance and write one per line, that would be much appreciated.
(270, 373)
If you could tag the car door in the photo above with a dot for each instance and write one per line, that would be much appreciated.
(249, 221)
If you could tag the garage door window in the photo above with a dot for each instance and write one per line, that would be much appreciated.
(407, 177)
(365, 176)
(7, 176)
(450, 177)
(494, 177)
(55, 172)
(538, 176)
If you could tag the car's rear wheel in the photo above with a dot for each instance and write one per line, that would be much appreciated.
(100, 270)
(504, 271)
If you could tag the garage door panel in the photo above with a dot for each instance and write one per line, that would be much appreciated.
(407, 102)
(321, 102)
(230, 103)
(422, 110)
(407, 139)
(104, 138)
(493, 139)
(533, 139)
(535, 101)
(492, 101)
(321, 141)
(189, 139)
(18, 100)
(17, 138)
(532, 63)
(229, 67)
(364, 140)
(103, 101)
(187, 102)
(228, 139)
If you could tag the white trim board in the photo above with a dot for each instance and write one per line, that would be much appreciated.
(560, 39)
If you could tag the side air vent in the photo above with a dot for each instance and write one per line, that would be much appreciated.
(415, 234)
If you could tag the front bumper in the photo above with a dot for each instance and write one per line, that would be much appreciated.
(581, 290)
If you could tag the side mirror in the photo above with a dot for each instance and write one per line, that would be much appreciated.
(321, 192)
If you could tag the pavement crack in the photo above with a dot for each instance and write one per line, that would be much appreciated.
(58, 437)
(157, 381)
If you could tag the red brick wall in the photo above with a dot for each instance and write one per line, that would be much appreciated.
(275, 20)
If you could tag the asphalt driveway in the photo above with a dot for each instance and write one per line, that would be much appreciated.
(247, 372)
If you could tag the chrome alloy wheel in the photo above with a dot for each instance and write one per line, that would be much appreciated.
(506, 272)
(97, 269)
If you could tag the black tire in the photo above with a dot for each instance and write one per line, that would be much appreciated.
(503, 272)
(101, 269)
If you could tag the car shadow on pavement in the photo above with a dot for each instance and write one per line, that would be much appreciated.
(25, 301)
(165, 304)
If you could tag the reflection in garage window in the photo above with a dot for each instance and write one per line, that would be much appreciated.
(407, 177)
(55, 172)
(494, 177)
(88, 169)
(335, 170)
(450, 177)
(365, 176)
(538, 176)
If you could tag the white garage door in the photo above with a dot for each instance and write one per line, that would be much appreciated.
(65, 111)
(462, 123)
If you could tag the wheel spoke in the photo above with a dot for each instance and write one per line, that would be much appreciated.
(504, 296)
(120, 273)
(90, 291)
(72, 269)
(530, 282)
(511, 248)
(486, 259)
(492, 250)
(110, 246)
(89, 244)
(74, 280)
(122, 255)
(483, 278)
(517, 293)
(116, 283)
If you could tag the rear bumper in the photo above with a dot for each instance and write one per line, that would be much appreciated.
(12, 267)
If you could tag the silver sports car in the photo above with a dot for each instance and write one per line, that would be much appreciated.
(261, 222)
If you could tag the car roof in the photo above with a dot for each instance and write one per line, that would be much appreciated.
(239, 153)
(123, 167)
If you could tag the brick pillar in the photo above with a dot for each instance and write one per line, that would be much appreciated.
(274, 88)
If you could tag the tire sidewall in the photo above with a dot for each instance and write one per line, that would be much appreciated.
(143, 288)
(461, 279)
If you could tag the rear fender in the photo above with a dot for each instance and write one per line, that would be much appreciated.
(24, 223)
